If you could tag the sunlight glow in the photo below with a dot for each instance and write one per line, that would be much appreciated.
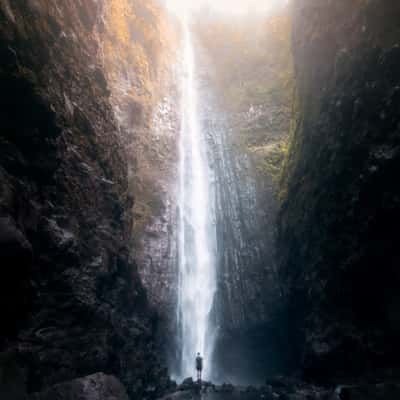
(224, 6)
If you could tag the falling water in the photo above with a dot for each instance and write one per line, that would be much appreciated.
(196, 227)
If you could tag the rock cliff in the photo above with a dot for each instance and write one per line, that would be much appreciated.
(340, 206)
(246, 79)
(307, 205)
(140, 54)
(71, 300)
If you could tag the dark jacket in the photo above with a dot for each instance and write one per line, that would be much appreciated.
(199, 363)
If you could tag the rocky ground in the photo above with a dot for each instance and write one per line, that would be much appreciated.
(107, 387)
(282, 388)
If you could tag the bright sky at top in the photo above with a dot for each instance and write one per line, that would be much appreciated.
(228, 6)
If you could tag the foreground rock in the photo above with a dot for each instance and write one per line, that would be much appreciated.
(286, 389)
(94, 387)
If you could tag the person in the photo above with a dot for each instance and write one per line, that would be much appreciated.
(199, 366)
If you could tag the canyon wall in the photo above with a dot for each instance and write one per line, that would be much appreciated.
(140, 54)
(305, 183)
(339, 215)
(246, 89)
(71, 299)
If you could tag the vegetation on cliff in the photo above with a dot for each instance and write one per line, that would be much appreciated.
(253, 73)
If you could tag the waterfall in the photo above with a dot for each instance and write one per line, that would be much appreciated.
(197, 277)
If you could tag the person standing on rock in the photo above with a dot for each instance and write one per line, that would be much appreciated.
(199, 366)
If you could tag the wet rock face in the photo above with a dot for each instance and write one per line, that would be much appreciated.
(339, 220)
(245, 114)
(71, 298)
(247, 301)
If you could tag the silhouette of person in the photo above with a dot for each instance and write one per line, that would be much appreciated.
(199, 366)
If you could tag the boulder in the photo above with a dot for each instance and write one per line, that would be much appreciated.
(188, 384)
(382, 391)
(93, 387)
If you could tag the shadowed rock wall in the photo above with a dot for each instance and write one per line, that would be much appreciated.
(71, 299)
(340, 214)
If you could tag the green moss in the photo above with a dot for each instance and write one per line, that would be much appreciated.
(254, 70)
(272, 158)
(293, 147)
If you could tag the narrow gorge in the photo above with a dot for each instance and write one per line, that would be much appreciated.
(215, 177)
